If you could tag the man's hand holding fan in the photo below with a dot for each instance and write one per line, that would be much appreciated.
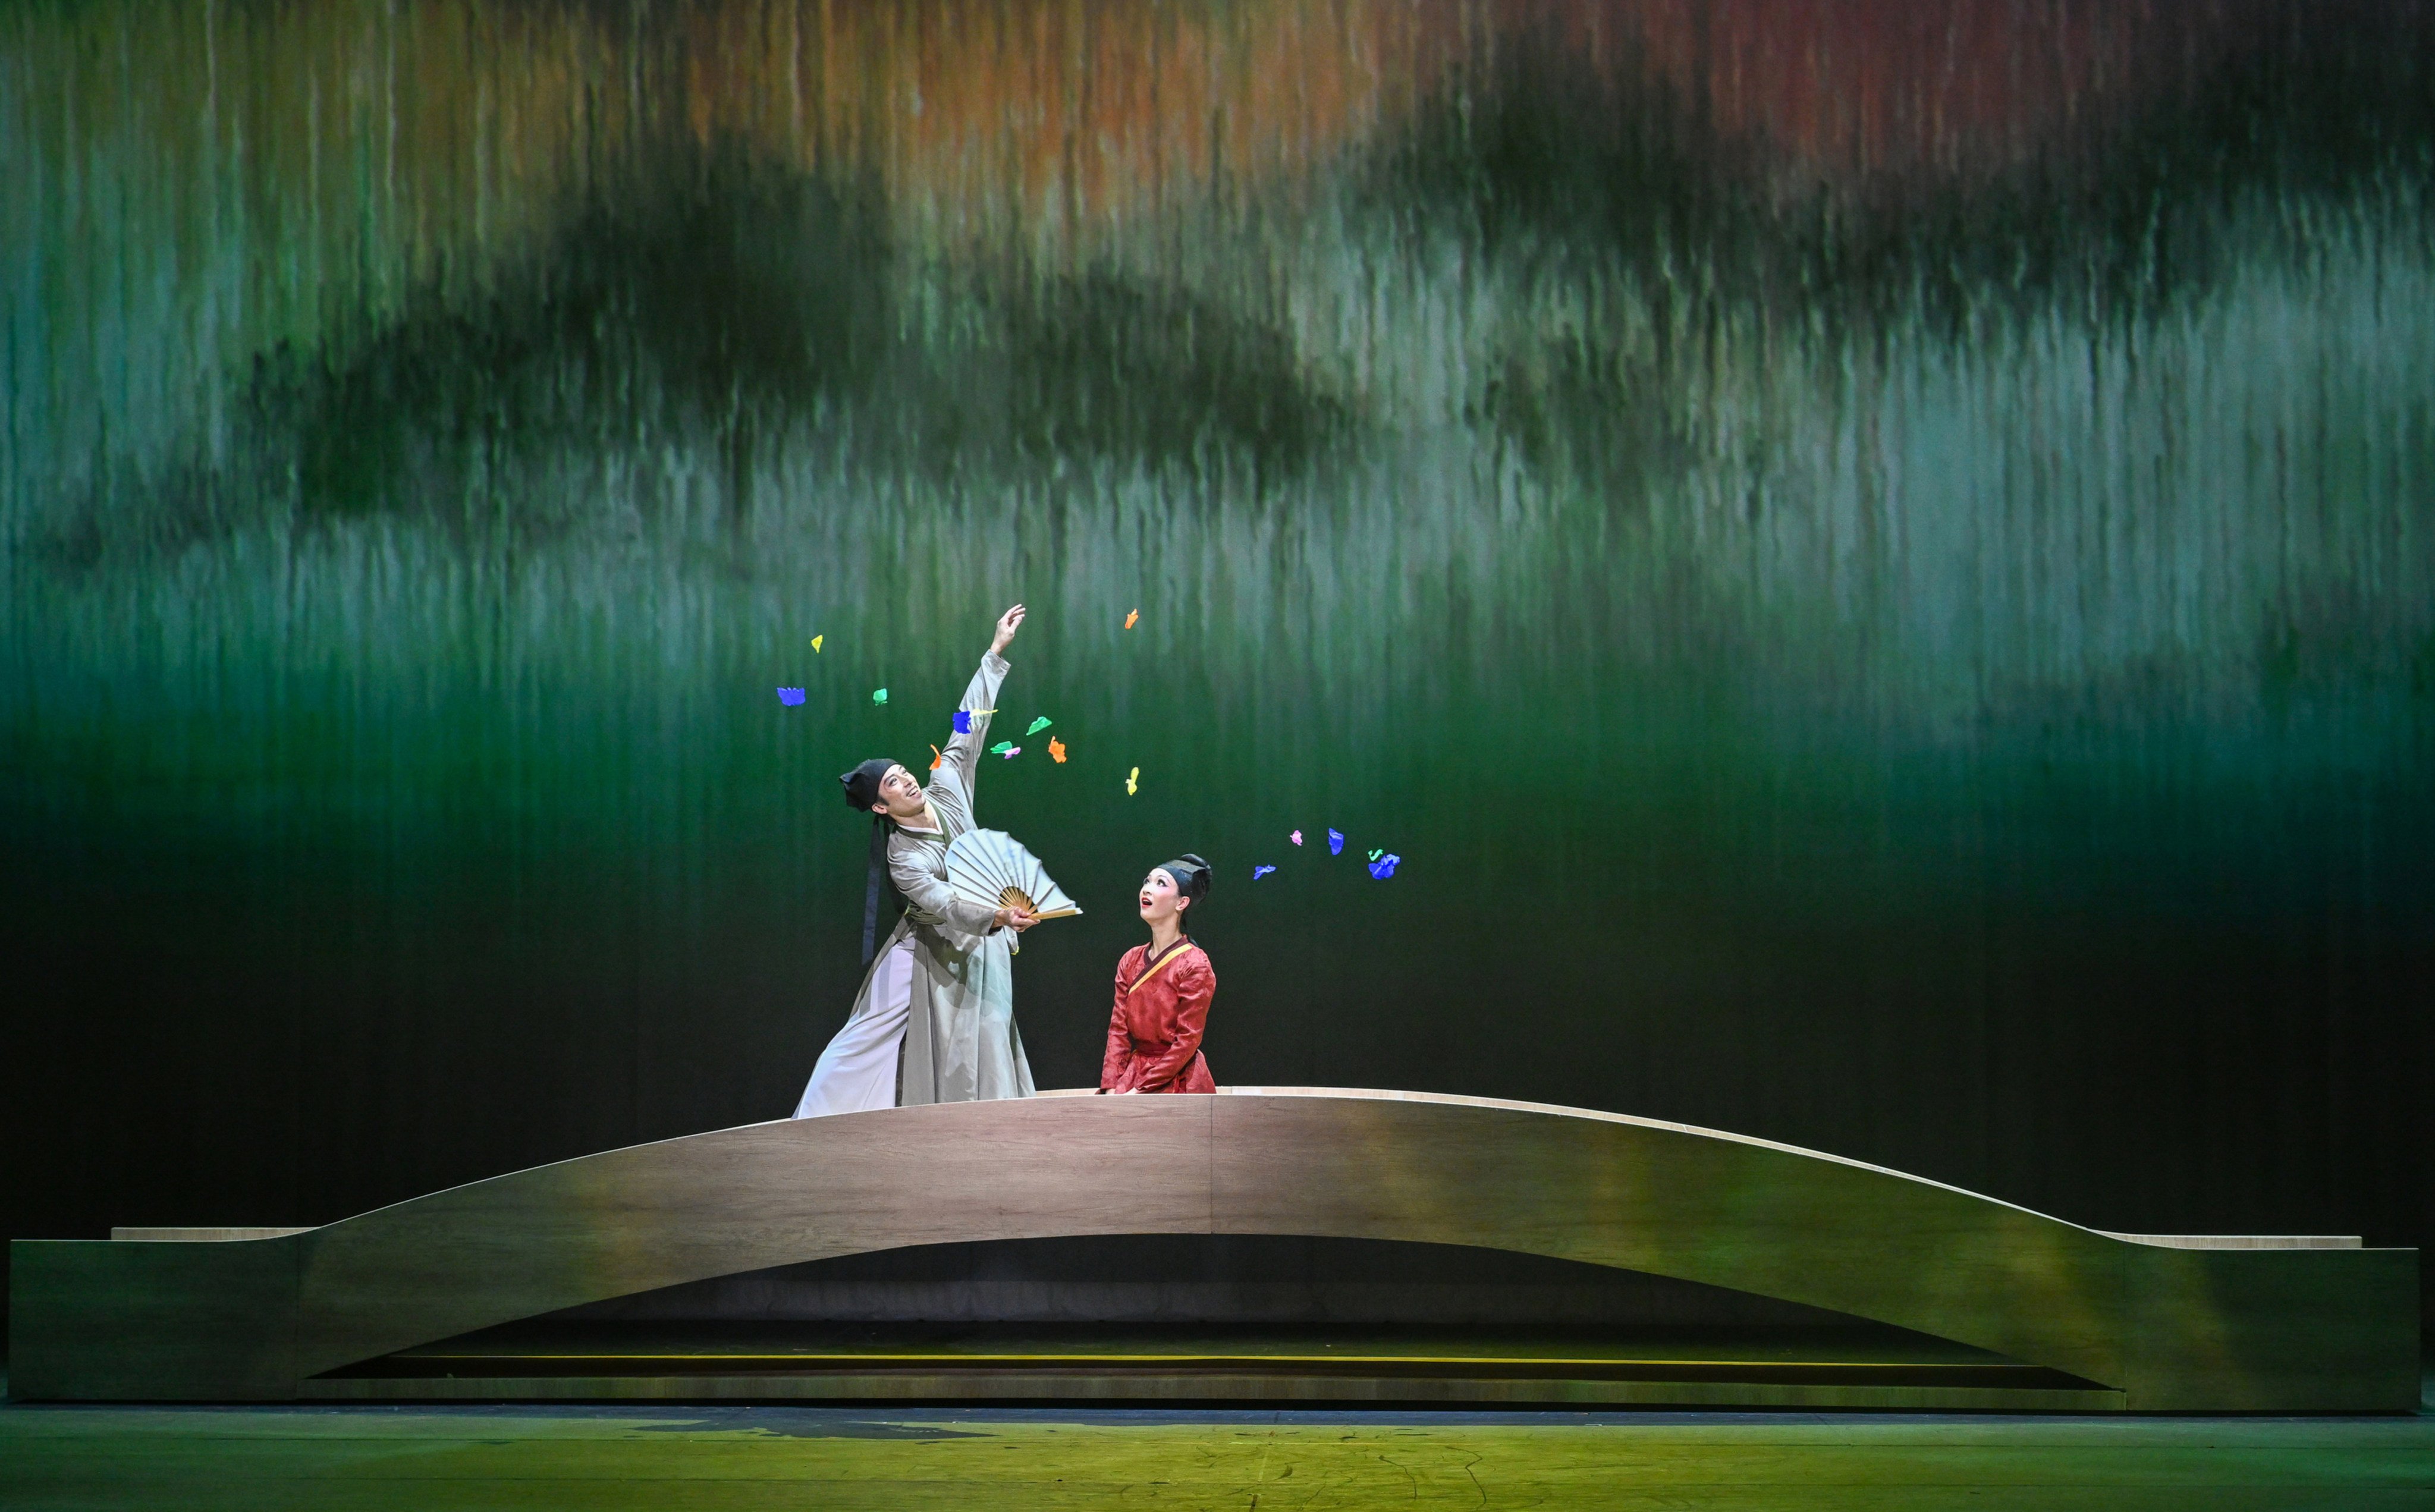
(992, 868)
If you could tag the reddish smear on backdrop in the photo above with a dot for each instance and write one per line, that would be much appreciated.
(1855, 90)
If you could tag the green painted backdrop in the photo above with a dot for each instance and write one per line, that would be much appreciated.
(1876, 560)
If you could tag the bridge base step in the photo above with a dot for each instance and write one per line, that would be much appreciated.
(1854, 1367)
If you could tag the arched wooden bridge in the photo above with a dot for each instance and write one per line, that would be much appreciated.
(2161, 1323)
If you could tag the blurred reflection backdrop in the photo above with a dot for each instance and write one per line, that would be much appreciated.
(1875, 559)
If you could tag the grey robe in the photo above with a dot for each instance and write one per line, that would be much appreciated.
(961, 1044)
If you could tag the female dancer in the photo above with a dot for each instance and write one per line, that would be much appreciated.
(1162, 992)
(935, 1020)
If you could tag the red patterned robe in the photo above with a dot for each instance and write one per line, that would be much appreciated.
(1154, 1033)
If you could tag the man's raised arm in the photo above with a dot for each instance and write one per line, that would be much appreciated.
(965, 746)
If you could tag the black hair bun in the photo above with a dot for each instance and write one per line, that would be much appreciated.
(1191, 876)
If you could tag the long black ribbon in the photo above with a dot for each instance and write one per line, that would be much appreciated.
(870, 892)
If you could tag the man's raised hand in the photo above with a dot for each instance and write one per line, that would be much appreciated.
(1008, 623)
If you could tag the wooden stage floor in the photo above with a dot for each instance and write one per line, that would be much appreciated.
(694, 1459)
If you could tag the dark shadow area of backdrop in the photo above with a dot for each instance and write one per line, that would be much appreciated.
(1876, 562)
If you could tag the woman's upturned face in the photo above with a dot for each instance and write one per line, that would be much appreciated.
(1159, 900)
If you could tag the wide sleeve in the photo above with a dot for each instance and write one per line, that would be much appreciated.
(928, 892)
(965, 746)
(1194, 983)
(1120, 1036)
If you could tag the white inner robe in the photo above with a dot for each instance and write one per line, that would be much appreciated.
(857, 1071)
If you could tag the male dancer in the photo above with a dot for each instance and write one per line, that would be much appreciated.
(935, 1020)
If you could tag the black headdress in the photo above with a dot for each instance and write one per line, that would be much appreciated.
(862, 793)
(862, 784)
(1191, 876)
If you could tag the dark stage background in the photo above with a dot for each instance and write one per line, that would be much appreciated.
(1874, 560)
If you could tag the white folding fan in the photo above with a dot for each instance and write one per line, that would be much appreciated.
(991, 867)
